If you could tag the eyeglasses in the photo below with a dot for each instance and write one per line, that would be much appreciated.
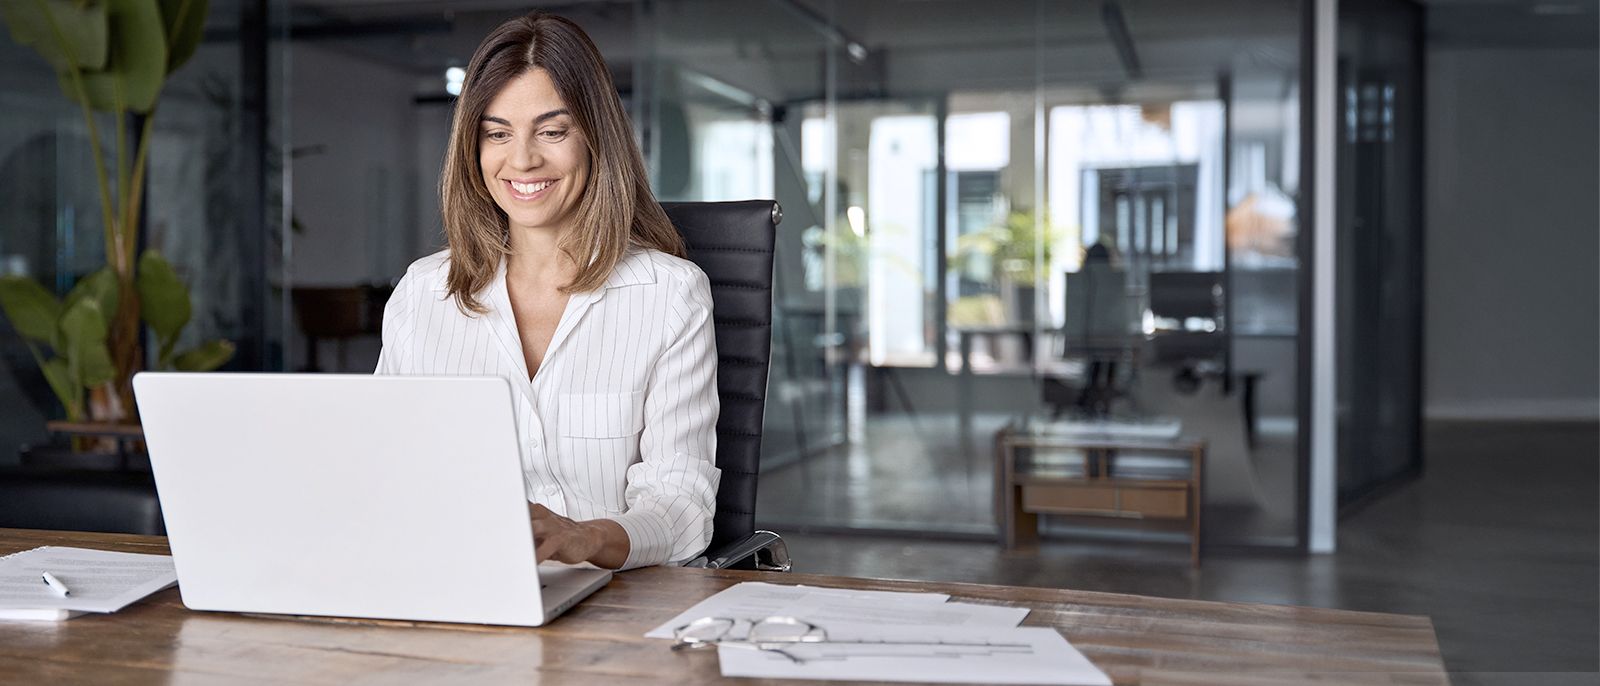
(783, 635)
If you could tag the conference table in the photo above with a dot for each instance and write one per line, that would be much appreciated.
(1134, 639)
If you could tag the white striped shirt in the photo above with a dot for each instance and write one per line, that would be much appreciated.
(620, 422)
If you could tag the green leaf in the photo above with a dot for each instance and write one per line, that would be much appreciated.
(76, 41)
(83, 322)
(84, 329)
(137, 64)
(67, 388)
(101, 287)
(94, 364)
(163, 299)
(185, 22)
(32, 310)
(204, 357)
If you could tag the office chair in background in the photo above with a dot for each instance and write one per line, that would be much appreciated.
(733, 243)
(1102, 329)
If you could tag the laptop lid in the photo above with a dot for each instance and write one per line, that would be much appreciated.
(359, 496)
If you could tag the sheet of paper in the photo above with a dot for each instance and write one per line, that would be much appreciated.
(786, 592)
(100, 580)
(1018, 655)
(861, 594)
(38, 615)
(756, 600)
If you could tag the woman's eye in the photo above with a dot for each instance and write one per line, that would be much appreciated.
(497, 135)
(553, 134)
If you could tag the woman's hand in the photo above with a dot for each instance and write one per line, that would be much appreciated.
(600, 541)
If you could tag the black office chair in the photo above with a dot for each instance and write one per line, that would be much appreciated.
(1102, 330)
(732, 242)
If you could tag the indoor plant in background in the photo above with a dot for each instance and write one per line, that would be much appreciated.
(113, 57)
(1005, 253)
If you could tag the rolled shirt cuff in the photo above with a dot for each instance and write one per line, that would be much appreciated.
(649, 540)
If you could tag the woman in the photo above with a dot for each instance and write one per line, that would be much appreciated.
(564, 276)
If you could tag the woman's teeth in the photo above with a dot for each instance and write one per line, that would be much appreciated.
(530, 188)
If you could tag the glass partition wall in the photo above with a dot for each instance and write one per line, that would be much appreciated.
(1071, 215)
(1082, 214)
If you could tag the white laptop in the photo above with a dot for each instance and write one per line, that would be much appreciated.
(391, 497)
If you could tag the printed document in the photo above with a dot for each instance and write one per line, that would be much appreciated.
(1018, 655)
(97, 581)
(754, 600)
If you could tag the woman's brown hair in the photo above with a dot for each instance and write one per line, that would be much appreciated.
(617, 207)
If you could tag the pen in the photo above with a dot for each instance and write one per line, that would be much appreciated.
(56, 585)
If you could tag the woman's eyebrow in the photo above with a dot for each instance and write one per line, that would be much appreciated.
(536, 120)
(549, 115)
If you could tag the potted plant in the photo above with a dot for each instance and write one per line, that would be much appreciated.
(112, 57)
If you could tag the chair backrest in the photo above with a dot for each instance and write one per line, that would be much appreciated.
(732, 243)
(1099, 317)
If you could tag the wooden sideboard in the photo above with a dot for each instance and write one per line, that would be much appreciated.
(1128, 478)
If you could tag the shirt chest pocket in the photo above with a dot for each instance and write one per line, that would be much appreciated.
(599, 441)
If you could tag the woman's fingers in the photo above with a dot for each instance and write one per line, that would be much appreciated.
(551, 532)
(546, 549)
(560, 538)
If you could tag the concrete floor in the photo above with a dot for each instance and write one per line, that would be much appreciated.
(1499, 543)
(902, 472)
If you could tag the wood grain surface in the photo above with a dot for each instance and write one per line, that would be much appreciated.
(1135, 639)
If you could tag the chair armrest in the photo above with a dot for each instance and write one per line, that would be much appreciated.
(762, 550)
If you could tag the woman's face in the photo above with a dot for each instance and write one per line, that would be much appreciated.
(534, 159)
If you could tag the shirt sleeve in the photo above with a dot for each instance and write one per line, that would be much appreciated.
(672, 491)
(397, 328)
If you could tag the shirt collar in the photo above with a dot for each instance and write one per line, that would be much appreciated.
(634, 269)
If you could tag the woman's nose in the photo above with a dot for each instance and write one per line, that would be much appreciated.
(526, 155)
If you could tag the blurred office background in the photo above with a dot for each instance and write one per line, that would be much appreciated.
(998, 213)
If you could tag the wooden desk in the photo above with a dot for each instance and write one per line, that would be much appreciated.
(1135, 639)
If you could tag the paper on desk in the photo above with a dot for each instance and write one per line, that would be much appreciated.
(100, 580)
(1017, 655)
(795, 591)
(38, 615)
(756, 600)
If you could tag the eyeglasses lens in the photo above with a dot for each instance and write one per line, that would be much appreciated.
(782, 632)
(705, 630)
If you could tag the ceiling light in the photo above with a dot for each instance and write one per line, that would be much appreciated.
(452, 80)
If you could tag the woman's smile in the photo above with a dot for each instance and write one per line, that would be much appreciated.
(529, 190)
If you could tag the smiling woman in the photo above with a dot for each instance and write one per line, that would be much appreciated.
(536, 170)
(564, 276)
(545, 69)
